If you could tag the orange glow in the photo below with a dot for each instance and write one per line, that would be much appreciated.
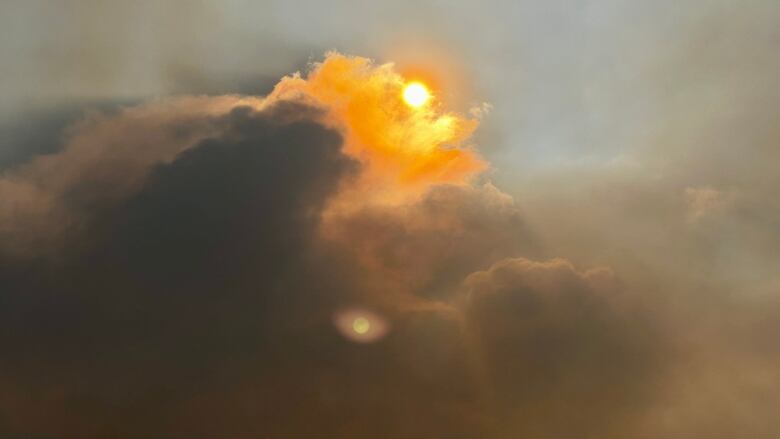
(404, 149)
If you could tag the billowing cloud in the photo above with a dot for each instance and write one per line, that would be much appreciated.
(560, 350)
(105, 158)
(208, 266)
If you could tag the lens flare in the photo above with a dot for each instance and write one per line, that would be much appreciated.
(360, 325)
(416, 94)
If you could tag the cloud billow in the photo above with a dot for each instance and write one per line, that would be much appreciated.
(175, 270)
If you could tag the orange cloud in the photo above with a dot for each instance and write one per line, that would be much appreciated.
(404, 150)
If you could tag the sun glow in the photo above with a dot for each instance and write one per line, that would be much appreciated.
(388, 123)
(416, 94)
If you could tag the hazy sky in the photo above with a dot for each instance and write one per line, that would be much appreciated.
(613, 272)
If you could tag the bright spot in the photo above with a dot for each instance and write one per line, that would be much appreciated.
(416, 95)
(361, 325)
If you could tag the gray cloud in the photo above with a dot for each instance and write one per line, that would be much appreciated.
(636, 136)
(562, 352)
(189, 288)
(168, 281)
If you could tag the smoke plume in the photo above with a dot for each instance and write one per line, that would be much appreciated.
(193, 267)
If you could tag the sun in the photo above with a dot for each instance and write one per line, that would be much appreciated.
(416, 94)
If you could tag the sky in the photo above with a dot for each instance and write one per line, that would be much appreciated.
(222, 220)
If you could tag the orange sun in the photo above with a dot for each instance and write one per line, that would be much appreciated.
(416, 94)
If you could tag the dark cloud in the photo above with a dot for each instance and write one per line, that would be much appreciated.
(426, 247)
(171, 284)
(193, 295)
(162, 272)
(561, 352)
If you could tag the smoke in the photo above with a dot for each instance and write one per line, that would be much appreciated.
(177, 267)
